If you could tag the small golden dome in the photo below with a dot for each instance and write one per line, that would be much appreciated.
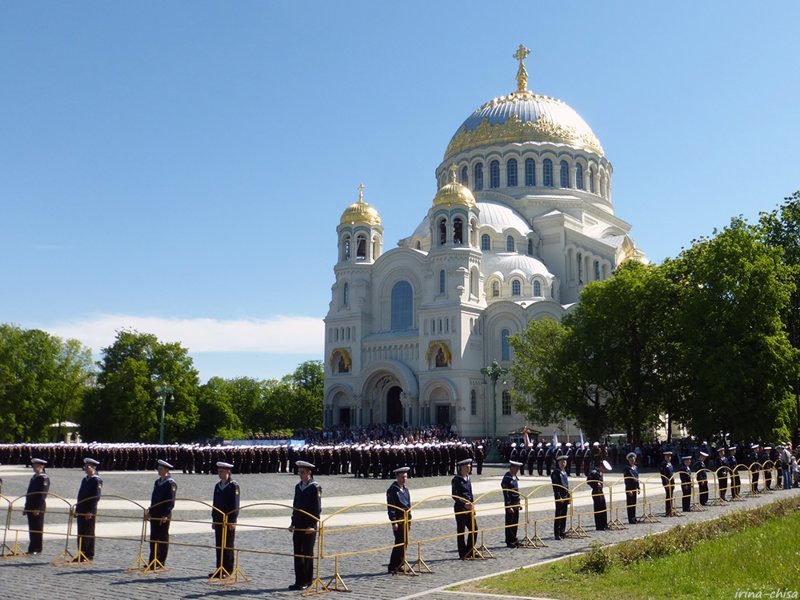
(360, 212)
(453, 193)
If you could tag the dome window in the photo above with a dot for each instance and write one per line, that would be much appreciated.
(458, 231)
(537, 289)
(486, 242)
(442, 232)
(547, 172)
(464, 176)
(564, 174)
(495, 289)
(597, 270)
(346, 249)
(579, 176)
(479, 176)
(510, 244)
(361, 248)
(511, 172)
(516, 288)
(530, 172)
(591, 180)
(530, 247)
(494, 174)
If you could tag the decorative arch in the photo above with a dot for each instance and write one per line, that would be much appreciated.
(398, 370)
(439, 355)
(341, 361)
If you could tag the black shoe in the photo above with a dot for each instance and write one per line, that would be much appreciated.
(294, 586)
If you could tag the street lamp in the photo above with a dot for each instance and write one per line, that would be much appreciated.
(163, 392)
(494, 372)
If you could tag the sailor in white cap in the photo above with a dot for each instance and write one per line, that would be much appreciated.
(36, 504)
(736, 481)
(398, 501)
(562, 496)
(307, 507)
(667, 475)
(86, 510)
(685, 473)
(510, 487)
(630, 475)
(722, 472)
(464, 509)
(595, 481)
(224, 516)
(701, 470)
(162, 501)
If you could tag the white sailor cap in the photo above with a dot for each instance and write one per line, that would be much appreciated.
(732, 448)
(401, 470)
(703, 453)
(90, 461)
(721, 449)
(515, 463)
(38, 461)
(514, 445)
(607, 465)
(539, 445)
(666, 452)
(466, 461)
(561, 457)
(305, 464)
(480, 447)
(569, 444)
(629, 454)
(165, 464)
(686, 458)
(596, 444)
(224, 465)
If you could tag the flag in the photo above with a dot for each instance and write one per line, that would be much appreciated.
(555, 439)
(582, 442)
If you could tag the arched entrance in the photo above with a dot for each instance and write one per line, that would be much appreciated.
(394, 408)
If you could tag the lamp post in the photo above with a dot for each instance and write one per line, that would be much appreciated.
(163, 391)
(494, 372)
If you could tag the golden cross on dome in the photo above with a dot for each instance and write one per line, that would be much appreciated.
(361, 192)
(522, 75)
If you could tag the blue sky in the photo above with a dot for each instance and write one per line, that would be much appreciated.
(181, 167)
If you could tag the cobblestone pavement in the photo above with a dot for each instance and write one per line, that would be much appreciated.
(266, 558)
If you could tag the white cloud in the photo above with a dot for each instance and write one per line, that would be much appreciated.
(281, 334)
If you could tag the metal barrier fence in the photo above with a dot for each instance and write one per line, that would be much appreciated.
(337, 543)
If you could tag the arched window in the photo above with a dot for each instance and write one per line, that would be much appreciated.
(419, 246)
(579, 176)
(580, 267)
(530, 247)
(516, 288)
(597, 270)
(505, 350)
(402, 306)
(510, 244)
(479, 176)
(345, 294)
(442, 232)
(591, 180)
(442, 281)
(564, 174)
(346, 248)
(506, 402)
(530, 172)
(361, 248)
(458, 231)
(464, 176)
(486, 242)
(547, 172)
(473, 403)
(537, 289)
(473, 283)
(511, 172)
(495, 289)
(494, 174)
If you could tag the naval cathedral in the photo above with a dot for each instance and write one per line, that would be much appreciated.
(521, 221)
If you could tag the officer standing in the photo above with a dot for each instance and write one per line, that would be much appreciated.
(36, 504)
(461, 489)
(667, 473)
(510, 487)
(722, 472)
(595, 481)
(701, 469)
(398, 499)
(306, 510)
(736, 482)
(685, 473)
(631, 476)
(86, 510)
(561, 493)
(162, 501)
(226, 503)
(479, 457)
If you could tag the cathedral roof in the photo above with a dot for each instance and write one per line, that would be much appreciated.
(507, 263)
(500, 217)
(360, 212)
(454, 194)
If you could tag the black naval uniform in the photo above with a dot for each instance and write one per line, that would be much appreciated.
(702, 481)
(595, 481)
(631, 477)
(85, 513)
(667, 481)
(162, 501)
(722, 475)
(226, 500)
(685, 473)
(461, 489)
(736, 480)
(561, 494)
(510, 486)
(307, 498)
(35, 506)
(399, 501)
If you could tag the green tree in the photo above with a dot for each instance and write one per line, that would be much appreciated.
(42, 378)
(216, 415)
(735, 354)
(126, 405)
(304, 389)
